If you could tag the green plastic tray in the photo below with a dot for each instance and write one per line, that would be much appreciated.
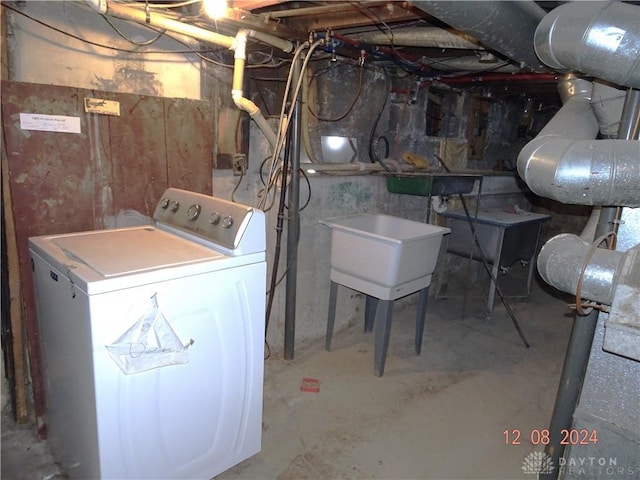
(425, 185)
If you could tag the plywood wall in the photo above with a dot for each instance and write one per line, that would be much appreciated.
(68, 182)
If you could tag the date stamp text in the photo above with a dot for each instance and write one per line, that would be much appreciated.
(536, 436)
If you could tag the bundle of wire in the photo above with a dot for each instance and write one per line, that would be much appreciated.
(283, 124)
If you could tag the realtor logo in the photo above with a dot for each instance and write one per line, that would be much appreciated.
(537, 462)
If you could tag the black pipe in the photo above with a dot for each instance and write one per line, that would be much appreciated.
(579, 348)
(573, 371)
(279, 229)
(293, 225)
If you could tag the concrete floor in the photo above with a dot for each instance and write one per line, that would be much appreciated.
(440, 415)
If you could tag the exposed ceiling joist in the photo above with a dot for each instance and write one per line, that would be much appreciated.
(244, 19)
(354, 14)
(254, 4)
(330, 15)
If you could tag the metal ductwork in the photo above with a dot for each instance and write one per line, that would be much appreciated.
(507, 27)
(565, 162)
(600, 39)
(561, 260)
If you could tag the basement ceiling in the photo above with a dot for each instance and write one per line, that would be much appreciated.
(303, 16)
(382, 32)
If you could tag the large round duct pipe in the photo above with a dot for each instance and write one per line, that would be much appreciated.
(600, 39)
(507, 26)
(560, 264)
(565, 162)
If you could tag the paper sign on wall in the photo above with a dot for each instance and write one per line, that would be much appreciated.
(101, 106)
(49, 123)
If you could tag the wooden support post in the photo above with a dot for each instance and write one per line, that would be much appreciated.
(15, 300)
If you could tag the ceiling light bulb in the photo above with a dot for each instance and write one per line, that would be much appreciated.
(215, 8)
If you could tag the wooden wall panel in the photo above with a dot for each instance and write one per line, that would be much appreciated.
(138, 153)
(68, 182)
(51, 184)
(52, 176)
(189, 136)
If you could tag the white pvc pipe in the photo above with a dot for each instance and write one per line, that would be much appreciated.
(237, 93)
(163, 22)
(237, 43)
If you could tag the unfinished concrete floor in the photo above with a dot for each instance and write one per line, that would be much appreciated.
(440, 415)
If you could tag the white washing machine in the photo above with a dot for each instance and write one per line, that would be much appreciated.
(153, 339)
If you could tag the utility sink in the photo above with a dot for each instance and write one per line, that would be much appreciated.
(384, 250)
(426, 184)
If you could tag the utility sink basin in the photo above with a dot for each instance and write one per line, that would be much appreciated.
(425, 184)
(384, 250)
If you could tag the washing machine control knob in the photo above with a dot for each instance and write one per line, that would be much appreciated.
(164, 203)
(227, 222)
(194, 211)
(174, 206)
(214, 218)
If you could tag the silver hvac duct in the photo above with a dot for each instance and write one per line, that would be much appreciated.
(565, 162)
(506, 26)
(561, 260)
(600, 39)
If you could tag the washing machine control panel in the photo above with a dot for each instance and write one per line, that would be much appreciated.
(213, 219)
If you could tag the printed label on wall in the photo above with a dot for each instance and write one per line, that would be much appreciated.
(101, 106)
(49, 123)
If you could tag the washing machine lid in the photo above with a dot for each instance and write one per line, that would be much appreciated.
(132, 250)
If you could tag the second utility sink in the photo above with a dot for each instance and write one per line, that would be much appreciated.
(426, 184)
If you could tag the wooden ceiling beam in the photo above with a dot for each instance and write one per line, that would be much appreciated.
(366, 14)
(254, 4)
(238, 18)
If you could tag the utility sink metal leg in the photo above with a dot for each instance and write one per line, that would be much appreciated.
(383, 330)
(370, 307)
(495, 270)
(331, 316)
(421, 314)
